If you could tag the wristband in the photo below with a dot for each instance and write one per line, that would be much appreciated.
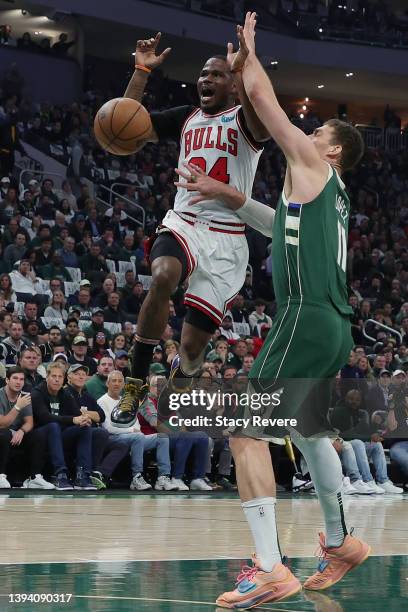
(17, 408)
(144, 68)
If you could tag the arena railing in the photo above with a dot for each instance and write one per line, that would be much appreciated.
(119, 196)
(391, 139)
(390, 330)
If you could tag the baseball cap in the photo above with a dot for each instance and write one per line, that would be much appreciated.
(33, 182)
(397, 372)
(60, 356)
(157, 368)
(79, 340)
(77, 366)
(85, 283)
(120, 354)
(96, 310)
(213, 356)
(74, 309)
(384, 371)
(5, 179)
(158, 348)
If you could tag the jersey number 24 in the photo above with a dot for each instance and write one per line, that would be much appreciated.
(219, 171)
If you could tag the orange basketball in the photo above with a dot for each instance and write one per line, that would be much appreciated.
(121, 125)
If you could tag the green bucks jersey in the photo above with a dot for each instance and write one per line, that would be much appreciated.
(309, 248)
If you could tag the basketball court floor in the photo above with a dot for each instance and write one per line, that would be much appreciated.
(121, 551)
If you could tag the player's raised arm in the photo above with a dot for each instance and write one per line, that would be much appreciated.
(254, 213)
(294, 143)
(146, 59)
(236, 63)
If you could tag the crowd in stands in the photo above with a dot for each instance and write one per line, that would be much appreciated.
(74, 276)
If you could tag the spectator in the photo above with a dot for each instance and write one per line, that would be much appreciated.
(69, 431)
(11, 347)
(54, 339)
(107, 452)
(397, 421)
(100, 345)
(56, 309)
(61, 47)
(24, 281)
(71, 331)
(44, 253)
(5, 323)
(56, 269)
(28, 362)
(97, 324)
(226, 328)
(182, 443)
(258, 317)
(7, 293)
(108, 287)
(138, 443)
(16, 431)
(67, 253)
(121, 362)
(15, 252)
(112, 312)
(79, 355)
(353, 424)
(135, 300)
(96, 385)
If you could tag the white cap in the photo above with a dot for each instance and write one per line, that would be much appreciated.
(5, 179)
(397, 372)
(33, 182)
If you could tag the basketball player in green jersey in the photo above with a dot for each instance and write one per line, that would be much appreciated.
(310, 338)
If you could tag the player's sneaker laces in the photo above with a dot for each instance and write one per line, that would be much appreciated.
(255, 587)
(38, 482)
(125, 413)
(165, 483)
(335, 562)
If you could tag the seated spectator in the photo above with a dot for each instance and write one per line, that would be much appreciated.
(32, 333)
(16, 431)
(108, 287)
(44, 253)
(353, 424)
(236, 358)
(31, 315)
(96, 385)
(134, 302)
(79, 348)
(67, 253)
(100, 345)
(350, 375)
(226, 328)
(118, 343)
(28, 362)
(54, 339)
(247, 363)
(5, 322)
(61, 47)
(138, 443)
(56, 309)
(56, 269)
(97, 324)
(121, 362)
(182, 443)
(24, 281)
(378, 394)
(110, 249)
(15, 252)
(7, 293)
(107, 452)
(71, 332)
(398, 421)
(113, 313)
(67, 431)
(11, 347)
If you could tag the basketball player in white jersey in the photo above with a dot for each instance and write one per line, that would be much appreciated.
(204, 243)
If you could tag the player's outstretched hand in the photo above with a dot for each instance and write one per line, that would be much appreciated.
(208, 188)
(197, 180)
(246, 35)
(146, 52)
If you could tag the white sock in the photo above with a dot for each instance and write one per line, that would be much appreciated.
(327, 476)
(260, 514)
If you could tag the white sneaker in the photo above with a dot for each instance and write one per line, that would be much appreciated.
(199, 484)
(375, 488)
(348, 488)
(301, 483)
(37, 483)
(165, 483)
(389, 487)
(4, 483)
(179, 484)
(362, 488)
(139, 484)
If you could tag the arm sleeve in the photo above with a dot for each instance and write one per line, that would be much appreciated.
(259, 216)
(169, 123)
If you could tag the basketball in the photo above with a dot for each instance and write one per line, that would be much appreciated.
(120, 126)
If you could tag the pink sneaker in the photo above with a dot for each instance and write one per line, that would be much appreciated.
(255, 587)
(336, 562)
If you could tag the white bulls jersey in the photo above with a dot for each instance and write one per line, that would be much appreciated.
(224, 149)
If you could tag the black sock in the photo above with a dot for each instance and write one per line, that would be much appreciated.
(141, 359)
